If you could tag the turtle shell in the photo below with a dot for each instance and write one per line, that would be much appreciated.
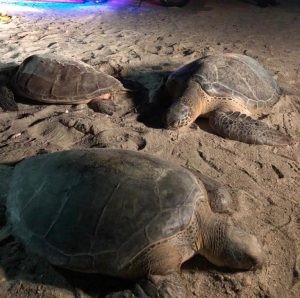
(231, 76)
(95, 210)
(55, 79)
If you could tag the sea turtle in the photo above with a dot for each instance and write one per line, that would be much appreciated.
(120, 213)
(51, 78)
(227, 89)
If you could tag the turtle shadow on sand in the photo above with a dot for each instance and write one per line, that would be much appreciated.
(25, 274)
(33, 273)
(150, 107)
(138, 95)
(93, 284)
(28, 273)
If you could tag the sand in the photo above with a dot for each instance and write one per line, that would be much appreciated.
(140, 44)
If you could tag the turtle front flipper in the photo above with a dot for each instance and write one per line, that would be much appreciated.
(220, 199)
(167, 286)
(240, 127)
(219, 196)
(187, 107)
(104, 106)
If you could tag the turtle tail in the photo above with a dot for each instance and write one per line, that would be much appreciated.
(240, 127)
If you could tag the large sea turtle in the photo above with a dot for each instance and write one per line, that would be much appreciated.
(51, 78)
(227, 89)
(120, 213)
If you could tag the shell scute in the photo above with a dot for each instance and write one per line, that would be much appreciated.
(232, 76)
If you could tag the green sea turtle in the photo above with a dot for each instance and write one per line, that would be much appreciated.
(227, 89)
(55, 79)
(120, 213)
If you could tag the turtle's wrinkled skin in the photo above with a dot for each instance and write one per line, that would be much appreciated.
(55, 79)
(227, 89)
(121, 213)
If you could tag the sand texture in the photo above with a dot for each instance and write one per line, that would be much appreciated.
(140, 45)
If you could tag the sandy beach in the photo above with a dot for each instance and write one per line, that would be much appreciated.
(140, 44)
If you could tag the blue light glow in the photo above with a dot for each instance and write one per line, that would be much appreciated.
(46, 5)
(14, 7)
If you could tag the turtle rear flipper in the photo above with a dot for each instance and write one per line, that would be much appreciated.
(7, 99)
(240, 127)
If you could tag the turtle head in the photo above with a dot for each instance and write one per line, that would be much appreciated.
(228, 246)
(178, 115)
